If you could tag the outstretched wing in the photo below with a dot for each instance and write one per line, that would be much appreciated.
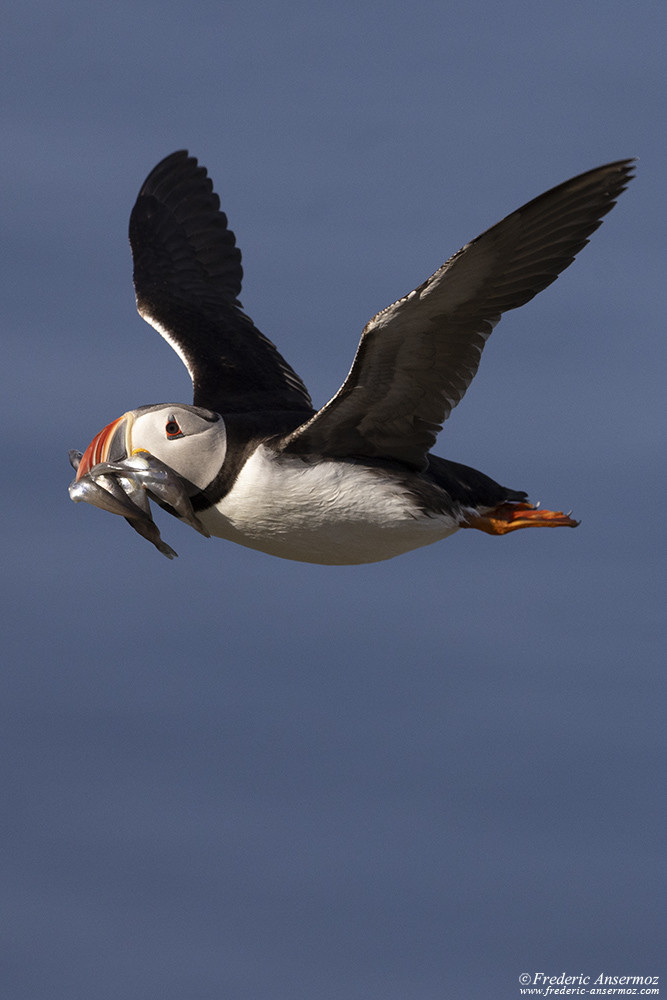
(418, 356)
(187, 278)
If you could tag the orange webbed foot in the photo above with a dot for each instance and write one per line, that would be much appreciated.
(509, 516)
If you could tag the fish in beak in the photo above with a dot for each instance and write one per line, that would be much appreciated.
(116, 478)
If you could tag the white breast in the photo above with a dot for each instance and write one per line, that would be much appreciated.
(325, 512)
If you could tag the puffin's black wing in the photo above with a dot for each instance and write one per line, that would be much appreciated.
(187, 276)
(417, 357)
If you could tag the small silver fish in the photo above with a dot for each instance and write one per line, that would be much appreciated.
(149, 530)
(162, 484)
(105, 493)
(123, 488)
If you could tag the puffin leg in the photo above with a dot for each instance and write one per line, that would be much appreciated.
(508, 517)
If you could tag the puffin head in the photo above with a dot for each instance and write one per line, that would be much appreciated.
(189, 439)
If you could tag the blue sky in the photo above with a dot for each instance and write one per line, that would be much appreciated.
(232, 776)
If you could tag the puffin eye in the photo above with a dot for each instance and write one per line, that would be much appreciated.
(172, 428)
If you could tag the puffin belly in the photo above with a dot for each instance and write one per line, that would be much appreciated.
(325, 511)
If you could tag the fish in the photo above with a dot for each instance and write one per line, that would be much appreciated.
(169, 490)
(125, 487)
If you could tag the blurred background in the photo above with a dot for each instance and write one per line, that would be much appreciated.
(235, 777)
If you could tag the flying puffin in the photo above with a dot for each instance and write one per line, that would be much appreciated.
(251, 460)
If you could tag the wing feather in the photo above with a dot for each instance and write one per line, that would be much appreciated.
(417, 357)
(187, 278)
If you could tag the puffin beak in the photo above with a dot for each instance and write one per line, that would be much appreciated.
(112, 444)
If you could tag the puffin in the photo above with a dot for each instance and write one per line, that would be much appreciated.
(252, 460)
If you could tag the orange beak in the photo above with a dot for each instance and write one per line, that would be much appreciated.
(100, 447)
